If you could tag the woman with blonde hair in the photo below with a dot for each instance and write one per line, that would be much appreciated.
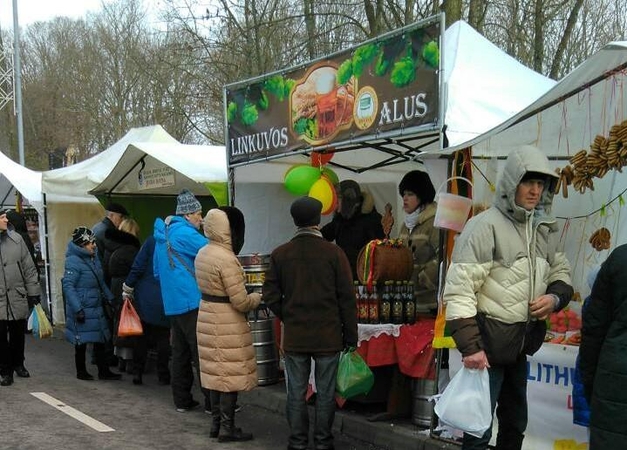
(123, 243)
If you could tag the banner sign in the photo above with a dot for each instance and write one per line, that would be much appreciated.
(384, 85)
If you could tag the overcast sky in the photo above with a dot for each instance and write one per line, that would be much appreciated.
(30, 11)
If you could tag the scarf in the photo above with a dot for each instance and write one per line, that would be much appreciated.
(412, 219)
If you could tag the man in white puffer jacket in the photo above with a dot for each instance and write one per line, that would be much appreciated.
(506, 276)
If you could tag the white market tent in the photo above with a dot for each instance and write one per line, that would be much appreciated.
(14, 177)
(483, 86)
(584, 104)
(587, 103)
(166, 166)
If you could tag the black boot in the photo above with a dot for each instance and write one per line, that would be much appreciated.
(215, 414)
(230, 433)
(104, 373)
(79, 362)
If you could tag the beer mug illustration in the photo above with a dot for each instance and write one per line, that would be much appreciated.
(328, 113)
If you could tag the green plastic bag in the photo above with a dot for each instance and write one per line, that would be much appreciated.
(354, 377)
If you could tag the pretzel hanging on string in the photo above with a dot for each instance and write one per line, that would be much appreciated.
(600, 239)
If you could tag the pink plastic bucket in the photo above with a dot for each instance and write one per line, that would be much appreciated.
(452, 211)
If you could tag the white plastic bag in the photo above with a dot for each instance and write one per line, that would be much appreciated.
(465, 403)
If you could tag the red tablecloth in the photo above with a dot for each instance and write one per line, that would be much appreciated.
(411, 350)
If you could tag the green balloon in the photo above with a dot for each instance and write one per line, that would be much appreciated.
(299, 179)
(332, 176)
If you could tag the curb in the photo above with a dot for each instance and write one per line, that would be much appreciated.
(387, 435)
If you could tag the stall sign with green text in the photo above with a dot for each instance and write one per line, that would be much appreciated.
(380, 86)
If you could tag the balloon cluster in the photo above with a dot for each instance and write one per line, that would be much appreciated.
(314, 180)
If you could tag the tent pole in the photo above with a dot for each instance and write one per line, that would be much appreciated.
(47, 261)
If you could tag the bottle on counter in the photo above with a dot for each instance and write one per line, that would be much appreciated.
(409, 306)
(385, 307)
(362, 304)
(397, 304)
(357, 300)
(373, 306)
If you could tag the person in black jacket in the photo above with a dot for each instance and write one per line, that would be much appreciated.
(123, 245)
(308, 286)
(602, 357)
(355, 222)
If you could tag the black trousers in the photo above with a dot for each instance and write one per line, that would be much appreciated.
(11, 345)
(159, 338)
(184, 358)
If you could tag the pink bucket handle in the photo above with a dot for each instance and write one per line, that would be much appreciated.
(454, 178)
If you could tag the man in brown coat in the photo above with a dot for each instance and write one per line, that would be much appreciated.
(309, 287)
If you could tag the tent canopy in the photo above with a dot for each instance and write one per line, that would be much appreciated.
(73, 183)
(26, 181)
(585, 104)
(589, 98)
(147, 168)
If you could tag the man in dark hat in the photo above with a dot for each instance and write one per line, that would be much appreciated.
(309, 287)
(355, 222)
(114, 214)
(177, 241)
(18, 276)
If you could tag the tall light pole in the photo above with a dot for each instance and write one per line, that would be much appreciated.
(18, 84)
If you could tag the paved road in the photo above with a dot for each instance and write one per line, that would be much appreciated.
(140, 417)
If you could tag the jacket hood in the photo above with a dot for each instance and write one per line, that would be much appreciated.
(522, 160)
(172, 222)
(367, 204)
(217, 228)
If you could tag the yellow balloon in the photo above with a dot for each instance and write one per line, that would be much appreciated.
(323, 190)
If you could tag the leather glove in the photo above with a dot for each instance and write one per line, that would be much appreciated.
(80, 316)
(33, 300)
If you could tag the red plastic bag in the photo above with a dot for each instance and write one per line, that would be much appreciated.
(130, 324)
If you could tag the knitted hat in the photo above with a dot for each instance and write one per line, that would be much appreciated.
(116, 208)
(306, 211)
(420, 184)
(83, 235)
(186, 203)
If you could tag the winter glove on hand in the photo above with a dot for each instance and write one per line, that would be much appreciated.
(80, 316)
(126, 289)
(33, 300)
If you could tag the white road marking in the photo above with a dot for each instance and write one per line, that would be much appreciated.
(72, 412)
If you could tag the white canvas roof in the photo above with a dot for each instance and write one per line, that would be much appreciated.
(194, 166)
(72, 183)
(585, 103)
(26, 181)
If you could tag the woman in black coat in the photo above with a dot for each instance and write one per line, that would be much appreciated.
(125, 245)
(603, 355)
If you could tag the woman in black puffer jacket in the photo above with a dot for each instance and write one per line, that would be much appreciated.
(124, 244)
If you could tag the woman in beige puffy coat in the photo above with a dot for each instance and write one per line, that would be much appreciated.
(225, 344)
